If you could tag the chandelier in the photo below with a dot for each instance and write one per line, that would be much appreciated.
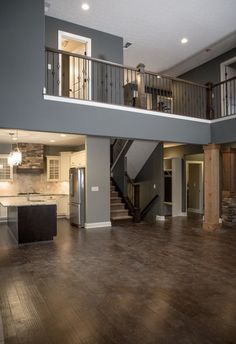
(15, 156)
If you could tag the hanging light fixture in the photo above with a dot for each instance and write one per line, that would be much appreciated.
(15, 156)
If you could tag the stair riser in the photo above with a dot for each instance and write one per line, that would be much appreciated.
(116, 200)
(119, 213)
(120, 206)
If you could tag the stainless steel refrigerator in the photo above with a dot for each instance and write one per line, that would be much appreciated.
(77, 197)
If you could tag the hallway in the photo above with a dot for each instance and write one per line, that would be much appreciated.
(170, 282)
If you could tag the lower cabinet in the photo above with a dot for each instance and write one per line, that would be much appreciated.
(63, 206)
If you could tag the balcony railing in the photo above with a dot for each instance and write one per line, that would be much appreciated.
(223, 99)
(82, 77)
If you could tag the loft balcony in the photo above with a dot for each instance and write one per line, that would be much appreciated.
(84, 78)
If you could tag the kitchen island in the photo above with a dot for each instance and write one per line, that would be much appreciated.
(31, 221)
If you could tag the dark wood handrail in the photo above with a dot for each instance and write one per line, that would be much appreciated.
(92, 59)
(130, 180)
(224, 82)
(146, 208)
(122, 66)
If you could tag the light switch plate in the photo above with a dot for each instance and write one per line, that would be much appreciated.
(94, 188)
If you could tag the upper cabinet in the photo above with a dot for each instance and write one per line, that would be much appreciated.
(78, 159)
(6, 171)
(58, 167)
(65, 164)
(53, 168)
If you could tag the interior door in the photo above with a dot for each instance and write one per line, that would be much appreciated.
(194, 197)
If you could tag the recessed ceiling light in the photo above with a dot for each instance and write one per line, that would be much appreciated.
(158, 77)
(52, 140)
(14, 138)
(63, 135)
(85, 6)
(184, 40)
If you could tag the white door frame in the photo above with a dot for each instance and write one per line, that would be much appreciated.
(88, 42)
(188, 162)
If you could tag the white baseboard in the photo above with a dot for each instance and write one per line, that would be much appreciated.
(184, 214)
(160, 218)
(2, 220)
(97, 224)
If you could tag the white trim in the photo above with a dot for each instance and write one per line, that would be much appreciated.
(87, 41)
(222, 67)
(97, 225)
(223, 118)
(123, 108)
(160, 218)
(3, 220)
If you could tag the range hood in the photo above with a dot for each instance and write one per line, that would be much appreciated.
(32, 158)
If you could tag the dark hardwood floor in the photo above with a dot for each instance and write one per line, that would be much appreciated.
(137, 284)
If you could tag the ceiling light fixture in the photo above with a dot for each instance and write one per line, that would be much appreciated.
(184, 40)
(52, 140)
(85, 6)
(15, 156)
(63, 135)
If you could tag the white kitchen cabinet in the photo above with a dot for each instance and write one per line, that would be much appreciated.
(63, 206)
(6, 171)
(65, 164)
(78, 159)
(53, 168)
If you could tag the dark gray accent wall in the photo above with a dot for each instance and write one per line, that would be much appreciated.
(104, 46)
(224, 131)
(56, 150)
(152, 173)
(22, 81)
(209, 71)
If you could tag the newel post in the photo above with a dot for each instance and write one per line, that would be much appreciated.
(142, 100)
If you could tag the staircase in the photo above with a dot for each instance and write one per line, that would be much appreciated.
(118, 211)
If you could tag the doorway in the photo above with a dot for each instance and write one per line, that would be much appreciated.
(228, 89)
(194, 186)
(75, 71)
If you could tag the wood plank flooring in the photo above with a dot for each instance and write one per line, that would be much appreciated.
(166, 283)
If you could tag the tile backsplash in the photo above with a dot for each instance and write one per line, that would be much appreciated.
(32, 183)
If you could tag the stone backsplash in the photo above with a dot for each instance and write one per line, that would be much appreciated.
(32, 183)
(229, 211)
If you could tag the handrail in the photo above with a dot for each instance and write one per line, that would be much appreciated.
(118, 157)
(146, 208)
(123, 66)
(114, 64)
(175, 79)
(224, 82)
(130, 180)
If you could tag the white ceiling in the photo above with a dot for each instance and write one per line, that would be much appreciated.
(155, 27)
(41, 137)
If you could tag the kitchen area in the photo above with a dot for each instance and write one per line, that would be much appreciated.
(36, 182)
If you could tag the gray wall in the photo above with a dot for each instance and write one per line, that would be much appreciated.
(104, 46)
(22, 81)
(5, 148)
(98, 174)
(209, 71)
(150, 174)
(224, 131)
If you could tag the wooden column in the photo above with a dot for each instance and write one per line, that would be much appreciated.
(212, 186)
(142, 100)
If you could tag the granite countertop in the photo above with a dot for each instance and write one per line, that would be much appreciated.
(18, 203)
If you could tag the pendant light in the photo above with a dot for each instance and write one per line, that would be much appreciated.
(15, 156)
